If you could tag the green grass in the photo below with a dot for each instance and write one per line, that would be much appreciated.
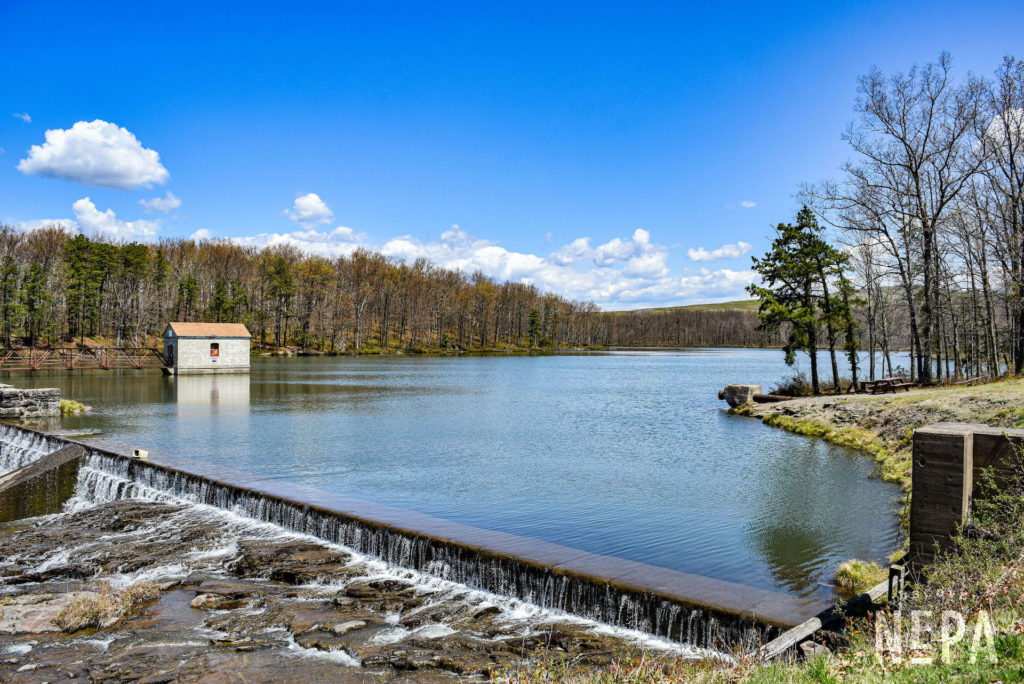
(857, 664)
(856, 576)
(70, 406)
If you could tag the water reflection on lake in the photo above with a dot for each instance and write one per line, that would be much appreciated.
(626, 454)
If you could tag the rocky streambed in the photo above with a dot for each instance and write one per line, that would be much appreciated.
(155, 592)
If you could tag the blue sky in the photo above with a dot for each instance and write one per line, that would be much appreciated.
(634, 154)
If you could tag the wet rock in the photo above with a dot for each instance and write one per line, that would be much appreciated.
(244, 643)
(307, 616)
(63, 572)
(291, 563)
(362, 591)
(248, 622)
(258, 624)
(489, 611)
(322, 641)
(33, 613)
(344, 627)
(220, 602)
(157, 679)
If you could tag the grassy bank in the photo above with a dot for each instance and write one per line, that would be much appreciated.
(882, 426)
(857, 664)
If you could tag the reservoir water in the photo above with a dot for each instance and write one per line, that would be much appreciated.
(627, 454)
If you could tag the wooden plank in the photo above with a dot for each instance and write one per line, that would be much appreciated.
(791, 638)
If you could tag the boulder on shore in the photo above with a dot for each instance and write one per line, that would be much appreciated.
(738, 395)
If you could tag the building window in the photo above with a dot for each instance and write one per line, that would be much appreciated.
(214, 349)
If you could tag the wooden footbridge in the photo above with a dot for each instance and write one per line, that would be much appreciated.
(81, 358)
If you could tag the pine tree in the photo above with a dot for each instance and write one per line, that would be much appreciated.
(36, 299)
(534, 327)
(796, 274)
(10, 299)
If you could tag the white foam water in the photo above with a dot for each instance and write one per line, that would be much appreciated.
(96, 486)
(20, 447)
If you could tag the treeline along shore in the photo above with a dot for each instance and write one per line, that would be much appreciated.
(58, 288)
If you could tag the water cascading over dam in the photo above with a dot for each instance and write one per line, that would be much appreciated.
(686, 608)
(20, 447)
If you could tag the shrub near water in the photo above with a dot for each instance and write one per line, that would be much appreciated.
(856, 577)
(796, 386)
(70, 406)
(104, 608)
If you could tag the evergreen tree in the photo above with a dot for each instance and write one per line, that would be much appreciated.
(220, 307)
(10, 299)
(796, 274)
(281, 288)
(36, 300)
(534, 319)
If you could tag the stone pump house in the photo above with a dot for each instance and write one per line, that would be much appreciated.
(206, 348)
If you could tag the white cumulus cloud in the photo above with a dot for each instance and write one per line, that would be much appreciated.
(618, 250)
(106, 223)
(747, 204)
(574, 252)
(95, 153)
(162, 204)
(23, 116)
(68, 224)
(622, 273)
(723, 252)
(309, 210)
(341, 241)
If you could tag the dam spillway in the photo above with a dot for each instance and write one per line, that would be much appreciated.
(681, 607)
(549, 448)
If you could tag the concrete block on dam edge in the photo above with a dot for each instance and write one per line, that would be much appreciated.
(43, 486)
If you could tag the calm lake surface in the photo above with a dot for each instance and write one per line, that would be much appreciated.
(628, 454)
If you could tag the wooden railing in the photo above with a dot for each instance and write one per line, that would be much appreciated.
(81, 358)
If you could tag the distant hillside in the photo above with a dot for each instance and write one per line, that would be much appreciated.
(726, 324)
(742, 305)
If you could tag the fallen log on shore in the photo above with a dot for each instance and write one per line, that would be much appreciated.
(771, 398)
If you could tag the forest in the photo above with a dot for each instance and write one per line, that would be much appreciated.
(57, 288)
(930, 211)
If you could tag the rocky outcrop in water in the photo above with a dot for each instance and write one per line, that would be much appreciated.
(239, 598)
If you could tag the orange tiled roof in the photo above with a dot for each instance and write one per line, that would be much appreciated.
(209, 330)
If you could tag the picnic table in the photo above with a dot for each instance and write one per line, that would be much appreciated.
(886, 385)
